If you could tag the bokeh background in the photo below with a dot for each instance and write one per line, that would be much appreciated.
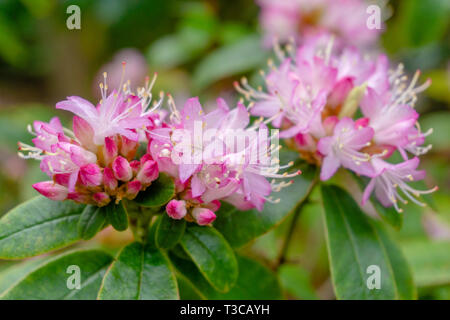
(199, 48)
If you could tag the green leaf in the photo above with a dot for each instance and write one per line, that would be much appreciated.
(430, 262)
(50, 281)
(158, 193)
(13, 274)
(354, 244)
(255, 281)
(169, 232)
(117, 215)
(139, 273)
(38, 226)
(241, 56)
(91, 221)
(240, 227)
(212, 255)
(297, 282)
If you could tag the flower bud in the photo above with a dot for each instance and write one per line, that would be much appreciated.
(101, 198)
(51, 190)
(128, 147)
(79, 197)
(135, 165)
(203, 216)
(62, 179)
(110, 150)
(133, 188)
(213, 205)
(148, 172)
(176, 209)
(91, 175)
(109, 180)
(145, 158)
(122, 169)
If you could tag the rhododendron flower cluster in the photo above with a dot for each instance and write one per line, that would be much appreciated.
(339, 108)
(300, 19)
(95, 163)
(218, 168)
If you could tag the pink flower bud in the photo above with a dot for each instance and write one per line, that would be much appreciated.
(148, 172)
(109, 180)
(203, 216)
(133, 188)
(213, 205)
(51, 190)
(101, 198)
(62, 178)
(135, 165)
(122, 169)
(110, 150)
(78, 197)
(176, 209)
(145, 158)
(91, 175)
(84, 133)
(128, 147)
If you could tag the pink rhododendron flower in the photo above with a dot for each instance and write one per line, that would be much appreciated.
(313, 96)
(300, 19)
(392, 178)
(344, 147)
(214, 168)
(94, 164)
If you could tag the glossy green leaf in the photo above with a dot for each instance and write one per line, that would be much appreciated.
(255, 281)
(430, 262)
(158, 194)
(241, 56)
(53, 280)
(212, 255)
(117, 215)
(169, 232)
(139, 273)
(354, 245)
(91, 221)
(38, 226)
(16, 272)
(240, 227)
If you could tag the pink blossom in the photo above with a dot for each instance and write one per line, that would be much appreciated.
(91, 175)
(203, 216)
(176, 209)
(148, 172)
(299, 19)
(95, 163)
(392, 178)
(122, 169)
(101, 198)
(344, 149)
(51, 190)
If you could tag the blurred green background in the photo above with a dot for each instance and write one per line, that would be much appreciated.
(200, 48)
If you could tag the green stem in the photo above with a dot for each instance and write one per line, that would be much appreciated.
(140, 219)
(297, 211)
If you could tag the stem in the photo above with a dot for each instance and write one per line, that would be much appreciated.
(140, 219)
(287, 240)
